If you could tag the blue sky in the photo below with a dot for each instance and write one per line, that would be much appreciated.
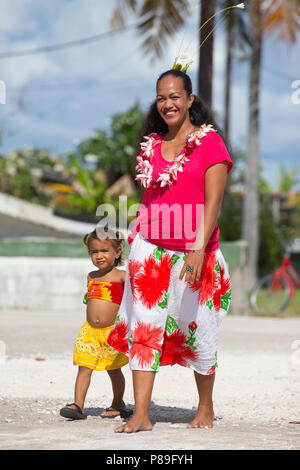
(56, 99)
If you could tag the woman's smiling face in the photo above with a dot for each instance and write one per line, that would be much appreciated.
(172, 100)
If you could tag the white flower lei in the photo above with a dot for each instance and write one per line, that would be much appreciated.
(169, 175)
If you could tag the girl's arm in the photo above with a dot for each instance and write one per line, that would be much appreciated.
(215, 182)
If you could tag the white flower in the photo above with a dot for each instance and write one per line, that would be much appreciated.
(241, 5)
(169, 175)
(58, 167)
(11, 170)
(147, 146)
(146, 177)
(174, 168)
(91, 158)
(181, 159)
(36, 172)
(182, 63)
(184, 59)
(164, 178)
(129, 149)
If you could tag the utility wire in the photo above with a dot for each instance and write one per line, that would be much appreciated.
(64, 45)
(92, 84)
(57, 105)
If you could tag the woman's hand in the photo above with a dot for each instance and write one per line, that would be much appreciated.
(195, 261)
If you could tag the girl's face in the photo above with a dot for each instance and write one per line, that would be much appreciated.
(103, 253)
(172, 100)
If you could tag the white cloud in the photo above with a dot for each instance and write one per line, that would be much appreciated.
(16, 17)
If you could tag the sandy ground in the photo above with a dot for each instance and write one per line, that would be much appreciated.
(256, 393)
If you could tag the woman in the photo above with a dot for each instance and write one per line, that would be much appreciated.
(177, 286)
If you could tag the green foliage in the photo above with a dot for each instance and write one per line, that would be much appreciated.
(287, 179)
(21, 170)
(270, 247)
(133, 200)
(230, 223)
(230, 219)
(92, 190)
(114, 151)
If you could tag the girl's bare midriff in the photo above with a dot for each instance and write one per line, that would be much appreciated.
(101, 313)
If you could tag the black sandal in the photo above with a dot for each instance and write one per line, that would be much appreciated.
(123, 413)
(71, 413)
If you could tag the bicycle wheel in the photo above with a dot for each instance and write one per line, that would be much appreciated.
(270, 295)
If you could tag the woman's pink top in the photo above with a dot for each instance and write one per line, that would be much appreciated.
(169, 216)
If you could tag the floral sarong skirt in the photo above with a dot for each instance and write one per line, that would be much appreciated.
(92, 351)
(163, 320)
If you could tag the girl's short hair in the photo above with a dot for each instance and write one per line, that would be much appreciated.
(105, 233)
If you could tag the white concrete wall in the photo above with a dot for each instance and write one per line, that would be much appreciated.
(44, 217)
(40, 215)
(43, 283)
(60, 284)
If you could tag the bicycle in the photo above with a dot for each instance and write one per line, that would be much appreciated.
(273, 292)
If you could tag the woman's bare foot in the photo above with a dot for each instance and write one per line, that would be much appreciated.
(135, 424)
(204, 417)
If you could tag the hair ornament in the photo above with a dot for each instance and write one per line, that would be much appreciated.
(182, 62)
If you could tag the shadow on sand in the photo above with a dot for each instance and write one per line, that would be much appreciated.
(158, 414)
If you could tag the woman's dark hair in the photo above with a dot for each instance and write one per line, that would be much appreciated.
(105, 233)
(199, 113)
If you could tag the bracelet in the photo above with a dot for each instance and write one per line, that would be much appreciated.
(198, 252)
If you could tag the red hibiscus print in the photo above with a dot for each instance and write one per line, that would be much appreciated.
(175, 350)
(208, 282)
(211, 370)
(225, 285)
(217, 300)
(155, 279)
(134, 268)
(118, 338)
(145, 339)
(192, 326)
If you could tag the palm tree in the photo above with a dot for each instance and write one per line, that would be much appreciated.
(160, 20)
(265, 16)
(236, 36)
(205, 74)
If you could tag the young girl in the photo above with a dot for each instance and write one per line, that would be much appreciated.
(92, 352)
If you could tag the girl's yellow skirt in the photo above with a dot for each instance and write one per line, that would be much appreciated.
(92, 351)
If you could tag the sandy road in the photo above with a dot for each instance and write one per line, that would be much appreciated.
(256, 393)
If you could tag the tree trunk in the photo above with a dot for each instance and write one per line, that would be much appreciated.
(251, 198)
(206, 53)
(229, 46)
(228, 68)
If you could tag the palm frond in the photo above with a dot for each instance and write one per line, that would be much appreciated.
(158, 20)
(283, 16)
(118, 17)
